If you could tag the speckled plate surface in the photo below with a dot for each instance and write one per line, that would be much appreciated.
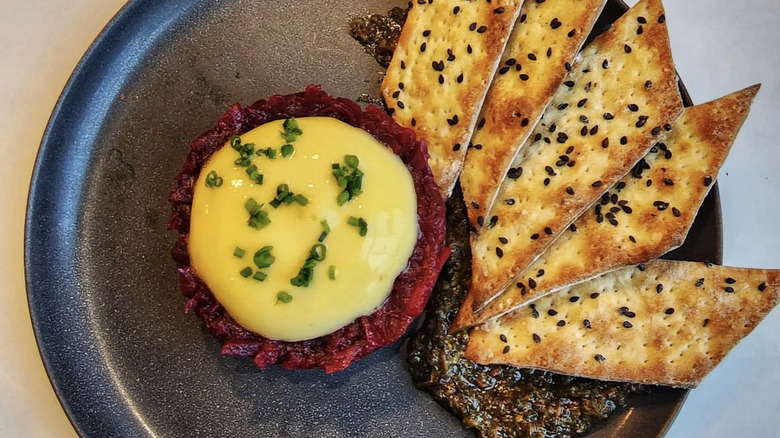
(121, 354)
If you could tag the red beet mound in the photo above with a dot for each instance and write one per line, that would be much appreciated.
(412, 287)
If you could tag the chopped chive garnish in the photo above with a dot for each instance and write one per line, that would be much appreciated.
(263, 257)
(287, 150)
(317, 253)
(359, 223)
(332, 272)
(239, 252)
(271, 153)
(325, 230)
(213, 179)
(246, 272)
(349, 178)
(259, 276)
(301, 199)
(291, 131)
(235, 142)
(257, 217)
(351, 161)
(283, 297)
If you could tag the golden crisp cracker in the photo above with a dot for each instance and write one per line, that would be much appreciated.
(665, 323)
(440, 72)
(545, 38)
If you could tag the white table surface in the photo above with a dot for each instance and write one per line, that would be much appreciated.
(719, 46)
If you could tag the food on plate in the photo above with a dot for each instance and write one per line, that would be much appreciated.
(645, 215)
(440, 72)
(664, 323)
(298, 215)
(378, 34)
(498, 400)
(545, 39)
(619, 96)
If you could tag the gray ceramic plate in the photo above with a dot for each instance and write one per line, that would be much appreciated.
(122, 356)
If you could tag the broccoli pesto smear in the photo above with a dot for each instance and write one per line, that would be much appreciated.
(497, 401)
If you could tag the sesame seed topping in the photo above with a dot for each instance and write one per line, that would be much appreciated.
(473, 26)
(561, 323)
(605, 144)
(562, 137)
(499, 252)
(659, 288)
(555, 23)
(599, 358)
(662, 19)
(456, 147)
(536, 338)
(548, 231)
(633, 107)
(482, 29)
(532, 283)
(514, 172)
(499, 10)
(569, 83)
(648, 85)
(762, 287)
(582, 103)
(586, 323)
(640, 30)
(571, 33)
(623, 140)
(503, 240)
(627, 48)
(699, 282)
(627, 324)
(503, 70)
(641, 122)
(730, 280)
(632, 239)
(455, 10)
(552, 312)
(707, 180)
(594, 295)
(522, 18)
(453, 121)
(423, 46)
(574, 299)
(400, 104)
(525, 122)
(505, 350)
(534, 236)
(642, 20)
(706, 321)
(502, 337)
(441, 79)
(509, 201)
(469, 49)
(426, 33)
(676, 212)
(524, 77)
(570, 190)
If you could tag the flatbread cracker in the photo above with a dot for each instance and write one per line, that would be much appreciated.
(440, 72)
(545, 38)
(645, 215)
(621, 93)
(667, 323)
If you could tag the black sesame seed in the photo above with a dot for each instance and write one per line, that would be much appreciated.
(426, 33)
(623, 140)
(599, 358)
(453, 121)
(632, 239)
(505, 350)
(423, 46)
(555, 23)
(571, 33)
(729, 289)
(563, 106)
(656, 131)
(396, 94)
(642, 20)
(525, 122)
(648, 85)
(569, 83)
(532, 57)
(570, 190)
(641, 267)
(627, 48)
(509, 201)
(503, 240)
(534, 312)
(573, 228)
(499, 10)
(662, 19)
(594, 130)
(661, 205)
(676, 212)
(552, 312)
(455, 10)
(574, 299)
(659, 288)
(762, 287)
(532, 283)
(730, 280)
(561, 323)
(514, 172)
(469, 49)
(482, 29)
(456, 147)
(546, 182)
(626, 209)
(493, 222)
(627, 324)
(605, 64)
(549, 52)
(503, 70)
(706, 321)
(441, 79)
(586, 323)
(403, 65)
(641, 122)
(548, 231)
(707, 180)
(562, 137)
(633, 107)
(475, 205)
(524, 77)
(414, 121)
(499, 252)
(668, 182)
(594, 295)
(534, 236)
(536, 338)
(522, 18)
(473, 26)
(582, 103)
(584, 131)
(699, 282)
(502, 337)
(450, 55)
(640, 30)
(400, 104)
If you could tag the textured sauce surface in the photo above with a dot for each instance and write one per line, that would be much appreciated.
(498, 401)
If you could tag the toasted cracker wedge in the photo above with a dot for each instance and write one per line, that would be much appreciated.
(545, 38)
(665, 323)
(619, 96)
(645, 215)
(440, 72)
